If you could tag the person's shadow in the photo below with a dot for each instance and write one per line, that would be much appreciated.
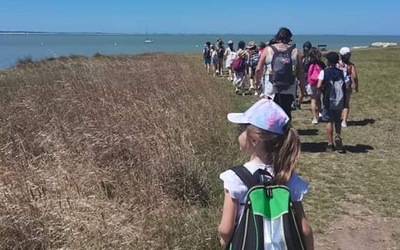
(313, 147)
(358, 148)
(363, 122)
(319, 147)
(307, 131)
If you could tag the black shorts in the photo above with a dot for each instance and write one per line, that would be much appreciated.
(335, 116)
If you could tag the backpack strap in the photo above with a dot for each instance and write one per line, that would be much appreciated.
(274, 49)
(250, 180)
(288, 49)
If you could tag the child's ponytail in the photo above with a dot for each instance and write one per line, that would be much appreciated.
(286, 155)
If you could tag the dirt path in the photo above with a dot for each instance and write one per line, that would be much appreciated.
(360, 229)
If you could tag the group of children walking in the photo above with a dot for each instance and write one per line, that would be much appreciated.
(266, 134)
(240, 64)
(330, 87)
(318, 81)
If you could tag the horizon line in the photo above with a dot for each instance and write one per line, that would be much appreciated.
(11, 32)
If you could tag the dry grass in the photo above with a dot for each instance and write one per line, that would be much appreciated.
(109, 152)
(124, 152)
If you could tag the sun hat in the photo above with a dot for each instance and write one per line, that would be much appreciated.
(230, 42)
(332, 57)
(251, 44)
(264, 114)
(344, 50)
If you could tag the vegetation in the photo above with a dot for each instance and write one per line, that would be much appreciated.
(124, 152)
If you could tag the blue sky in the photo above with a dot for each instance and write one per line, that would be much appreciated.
(349, 17)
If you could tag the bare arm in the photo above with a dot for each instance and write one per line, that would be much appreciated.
(300, 70)
(353, 77)
(227, 224)
(260, 65)
(305, 227)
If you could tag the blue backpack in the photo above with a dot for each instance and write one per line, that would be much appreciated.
(254, 58)
(207, 52)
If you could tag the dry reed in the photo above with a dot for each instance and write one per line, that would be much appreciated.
(109, 153)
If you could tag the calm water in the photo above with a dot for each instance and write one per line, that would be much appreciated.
(39, 46)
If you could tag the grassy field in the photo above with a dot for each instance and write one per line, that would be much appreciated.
(124, 152)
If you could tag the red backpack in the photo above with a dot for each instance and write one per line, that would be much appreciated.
(312, 73)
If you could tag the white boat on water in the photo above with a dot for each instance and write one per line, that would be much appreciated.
(147, 40)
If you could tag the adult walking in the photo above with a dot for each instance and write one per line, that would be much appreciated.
(283, 67)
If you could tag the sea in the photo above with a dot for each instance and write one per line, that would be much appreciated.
(37, 46)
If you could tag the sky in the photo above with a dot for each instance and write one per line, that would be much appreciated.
(347, 17)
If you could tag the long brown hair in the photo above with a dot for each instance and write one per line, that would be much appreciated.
(284, 150)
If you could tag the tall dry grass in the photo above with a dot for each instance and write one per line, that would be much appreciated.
(110, 153)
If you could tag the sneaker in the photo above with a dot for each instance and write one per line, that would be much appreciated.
(344, 124)
(237, 90)
(314, 121)
(256, 93)
(330, 148)
(339, 144)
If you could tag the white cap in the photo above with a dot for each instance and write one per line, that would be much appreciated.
(264, 114)
(344, 50)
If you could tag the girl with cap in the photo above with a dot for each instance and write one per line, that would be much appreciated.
(266, 136)
(350, 72)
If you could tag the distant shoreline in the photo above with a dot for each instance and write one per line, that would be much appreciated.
(171, 34)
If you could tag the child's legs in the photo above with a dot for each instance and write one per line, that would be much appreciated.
(314, 107)
(329, 132)
(346, 110)
(335, 118)
(312, 91)
(239, 80)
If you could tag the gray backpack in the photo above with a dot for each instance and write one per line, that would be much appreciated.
(335, 81)
(282, 75)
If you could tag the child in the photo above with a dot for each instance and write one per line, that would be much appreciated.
(273, 146)
(214, 59)
(332, 84)
(254, 56)
(207, 56)
(230, 54)
(240, 75)
(314, 67)
(351, 78)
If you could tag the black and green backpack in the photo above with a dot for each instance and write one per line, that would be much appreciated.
(268, 220)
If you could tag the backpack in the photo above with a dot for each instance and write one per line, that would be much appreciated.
(254, 58)
(207, 52)
(221, 52)
(282, 76)
(268, 221)
(312, 74)
(239, 64)
(334, 92)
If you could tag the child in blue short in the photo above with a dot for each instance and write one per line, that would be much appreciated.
(331, 82)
